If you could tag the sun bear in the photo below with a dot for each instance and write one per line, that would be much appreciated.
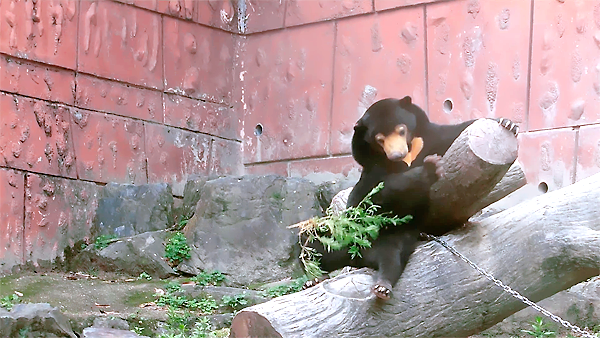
(395, 143)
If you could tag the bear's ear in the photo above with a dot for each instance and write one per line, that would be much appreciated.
(405, 101)
(360, 126)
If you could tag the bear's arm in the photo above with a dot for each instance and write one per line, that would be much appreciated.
(369, 179)
(406, 193)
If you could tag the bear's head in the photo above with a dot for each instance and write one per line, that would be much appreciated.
(387, 132)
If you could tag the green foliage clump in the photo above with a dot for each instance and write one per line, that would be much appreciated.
(173, 298)
(539, 329)
(144, 275)
(9, 301)
(236, 302)
(103, 241)
(205, 305)
(181, 223)
(209, 278)
(177, 248)
(354, 229)
(286, 289)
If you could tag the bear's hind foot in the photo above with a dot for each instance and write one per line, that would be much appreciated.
(382, 291)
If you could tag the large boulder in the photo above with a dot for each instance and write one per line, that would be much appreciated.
(131, 255)
(36, 318)
(127, 210)
(240, 227)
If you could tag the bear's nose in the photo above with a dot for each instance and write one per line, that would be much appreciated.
(396, 156)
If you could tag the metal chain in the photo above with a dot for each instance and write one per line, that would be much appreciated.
(509, 290)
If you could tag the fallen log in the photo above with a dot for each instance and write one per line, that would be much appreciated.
(532, 247)
(539, 247)
(513, 180)
(473, 165)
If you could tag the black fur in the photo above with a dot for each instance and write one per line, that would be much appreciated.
(406, 189)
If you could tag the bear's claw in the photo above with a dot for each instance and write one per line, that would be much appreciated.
(434, 163)
(508, 125)
(312, 282)
(381, 292)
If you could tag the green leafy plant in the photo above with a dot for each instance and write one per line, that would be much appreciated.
(24, 332)
(9, 301)
(177, 321)
(354, 229)
(173, 286)
(103, 241)
(138, 330)
(539, 329)
(202, 328)
(235, 302)
(181, 223)
(285, 289)
(206, 305)
(145, 276)
(177, 248)
(172, 298)
(209, 278)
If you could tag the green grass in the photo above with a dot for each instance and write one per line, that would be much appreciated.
(136, 298)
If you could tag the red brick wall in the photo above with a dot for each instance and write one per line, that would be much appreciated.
(316, 66)
(143, 91)
(93, 92)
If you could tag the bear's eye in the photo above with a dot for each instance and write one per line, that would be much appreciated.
(401, 130)
(379, 138)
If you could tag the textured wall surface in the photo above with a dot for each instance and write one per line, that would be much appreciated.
(536, 62)
(93, 92)
(144, 91)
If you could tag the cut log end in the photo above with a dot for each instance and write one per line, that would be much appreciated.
(492, 143)
(473, 164)
(248, 324)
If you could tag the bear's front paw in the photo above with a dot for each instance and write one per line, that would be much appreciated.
(434, 164)
(382, 292)
(508, 125)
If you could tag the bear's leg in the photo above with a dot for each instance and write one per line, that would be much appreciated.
(392, 255)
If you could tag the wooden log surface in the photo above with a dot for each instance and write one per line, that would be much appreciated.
(474, 165)
(539, 247)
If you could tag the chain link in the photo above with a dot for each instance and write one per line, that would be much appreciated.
(509, 290)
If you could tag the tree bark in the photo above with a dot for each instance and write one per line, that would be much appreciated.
(473, 165)
(539, 247)
(513, 180)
